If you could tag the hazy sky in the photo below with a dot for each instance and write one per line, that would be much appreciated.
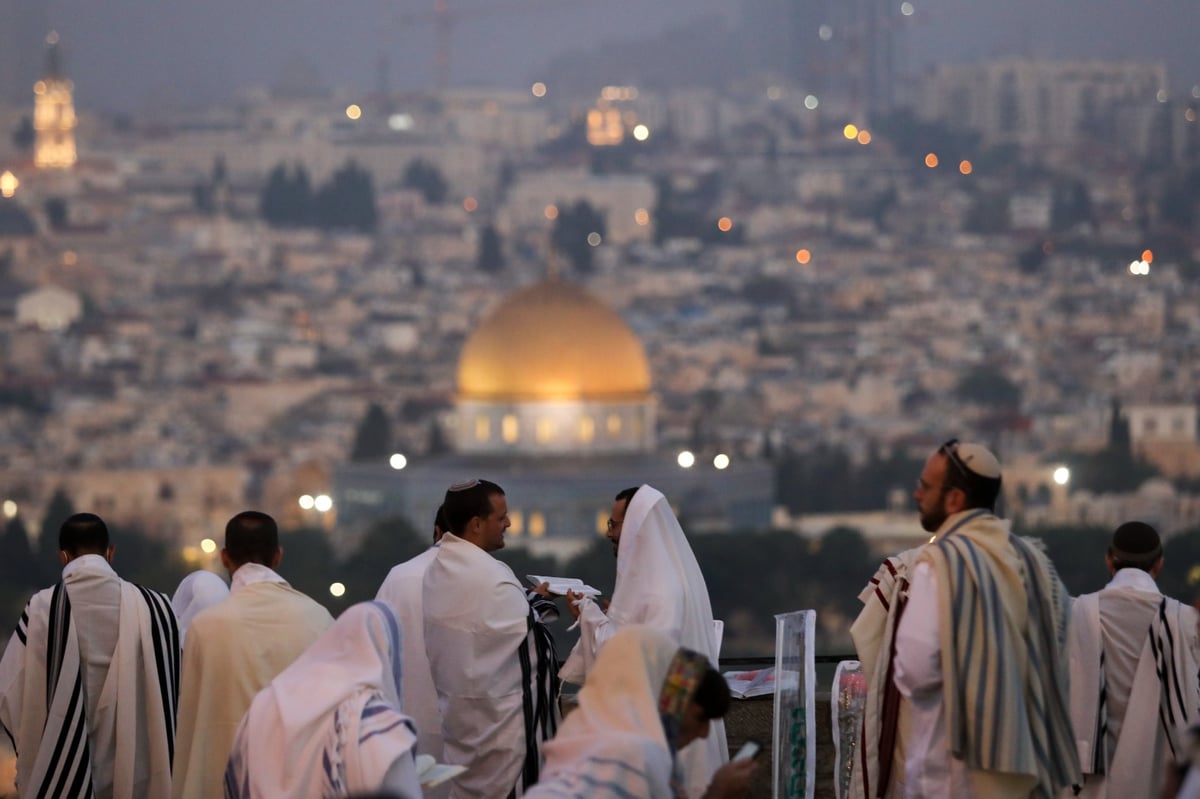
(121, 52)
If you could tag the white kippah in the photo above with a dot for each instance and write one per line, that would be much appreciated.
(463, 486)
(978, 459)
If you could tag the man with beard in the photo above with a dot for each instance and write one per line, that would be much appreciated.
(980, 645)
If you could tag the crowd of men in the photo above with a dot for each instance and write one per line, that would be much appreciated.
(984, 678)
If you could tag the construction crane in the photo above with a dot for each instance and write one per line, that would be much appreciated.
(443, 19)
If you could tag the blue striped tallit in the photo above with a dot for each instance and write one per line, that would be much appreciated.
(1004, 623)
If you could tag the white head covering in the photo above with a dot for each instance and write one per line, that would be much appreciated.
(198, 591)
(619, 715)
(288, 736)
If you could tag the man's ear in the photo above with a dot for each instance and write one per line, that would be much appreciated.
(278, 557)
(108, 554)
(1157, 567)
(63, 557)
(227, 561)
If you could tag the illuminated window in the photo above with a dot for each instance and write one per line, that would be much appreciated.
(613, 424)
(483, 428)
(517, 525)
(544, 430)
(587, 429)
(601, 522)
(537, 524)
(509, 429)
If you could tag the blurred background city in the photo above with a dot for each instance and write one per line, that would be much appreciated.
(325, 259)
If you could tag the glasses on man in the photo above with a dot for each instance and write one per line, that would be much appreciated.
(950, 450)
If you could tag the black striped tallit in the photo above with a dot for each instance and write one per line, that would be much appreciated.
(539, 685)
(165, 635)
(65, 768)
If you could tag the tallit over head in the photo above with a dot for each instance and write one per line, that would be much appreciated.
(198, 591)
(290, 736)
(655, 560)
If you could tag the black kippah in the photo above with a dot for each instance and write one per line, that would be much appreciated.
(1135, 541)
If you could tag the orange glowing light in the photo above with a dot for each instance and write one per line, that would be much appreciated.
(803, 256)
(470, 204)
(965, 167)
(1148, 256)
(551, 212)
(641, 216)
(850, 132)
(725, 224)
(864, 137)
(931, 160)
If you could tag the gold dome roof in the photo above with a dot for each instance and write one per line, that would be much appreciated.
(553, 341)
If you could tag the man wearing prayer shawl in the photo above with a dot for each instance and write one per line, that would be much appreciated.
(234, 649)
(645, 699)
(1134, 656)
(980, 647)
(331, 724)
(198, 591)
(401, 591)
(89, 682)
(659, 584)
(491, 656)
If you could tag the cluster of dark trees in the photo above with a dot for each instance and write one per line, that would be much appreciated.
(345, 202)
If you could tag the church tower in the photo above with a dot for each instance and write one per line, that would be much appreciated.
(53, 114)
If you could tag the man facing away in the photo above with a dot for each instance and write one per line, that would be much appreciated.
(491, 657)
(659, 584)
(1134, 655)
(401, 591)
(980, 647)
(235, 648)
(89, 682)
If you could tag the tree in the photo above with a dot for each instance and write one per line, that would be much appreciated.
(426, 178)
(56, 212)
(58, 510)
(575, 230)
(386, 543)
(287, 199)
(984, 386)
(373, 438)
(347, 201)
(491, 251)
(24, 136)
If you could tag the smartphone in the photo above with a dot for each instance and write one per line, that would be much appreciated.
(750, 750)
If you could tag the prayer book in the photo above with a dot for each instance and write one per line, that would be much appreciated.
(561, 585)
(431, 773)
(745, 684)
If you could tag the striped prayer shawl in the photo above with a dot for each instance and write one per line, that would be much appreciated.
(1004, 636)
(540, 686)
(45, 706)
(1174, 711)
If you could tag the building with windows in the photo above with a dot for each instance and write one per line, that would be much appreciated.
(555, 404)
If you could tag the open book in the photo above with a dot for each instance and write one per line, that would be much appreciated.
(431, 773)
(561, 585)
(745, 684)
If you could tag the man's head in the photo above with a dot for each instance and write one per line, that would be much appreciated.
(251, 537)
(711, 701)
(440, 525)
(477, 511)
(616, 518)
(83, 534)
(1135, 545)
(958, 476)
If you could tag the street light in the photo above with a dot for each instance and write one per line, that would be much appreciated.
(721, 461)
(307, 502)
(10, 509)
(686, 459)
(208, 546)
(337, 589)
(1062, 475)
(323, 503)
(397, 461)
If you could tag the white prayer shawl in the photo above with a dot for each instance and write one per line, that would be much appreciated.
(331, 724)
(1164, 696)
(495, 681)
(874, 634)
(198, 591)
(613, 746)
(402, 592)
(233, 650)
(69, 744)
(659, 584)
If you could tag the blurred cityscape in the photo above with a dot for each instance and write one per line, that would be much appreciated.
(828, 264)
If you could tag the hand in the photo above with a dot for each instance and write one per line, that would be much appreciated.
(544, 590)
(732, 780)
(573, 600)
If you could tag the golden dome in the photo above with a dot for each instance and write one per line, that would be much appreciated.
(553, 341)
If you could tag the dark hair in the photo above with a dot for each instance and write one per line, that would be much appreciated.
(980, 491)
(252, 537)
(439, 522)
(1135, 545)
(465, 501)
(83, 534)
(626, 495)
(712, 694)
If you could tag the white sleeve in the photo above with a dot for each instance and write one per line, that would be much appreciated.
(918, 661)
(401, 778)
